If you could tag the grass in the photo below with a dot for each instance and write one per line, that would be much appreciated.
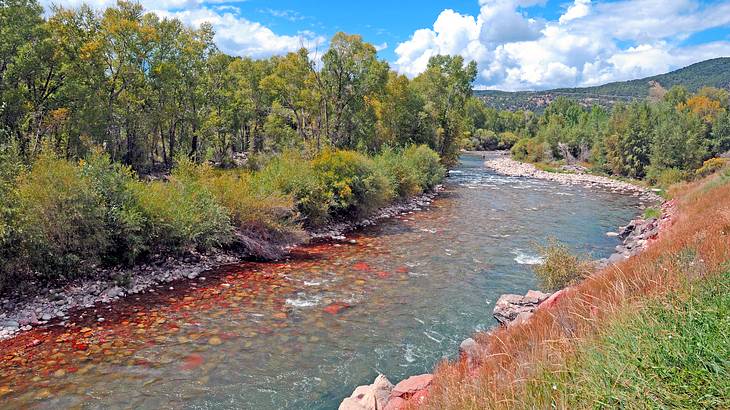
(605, 342)
(652, 213)
(673, 353)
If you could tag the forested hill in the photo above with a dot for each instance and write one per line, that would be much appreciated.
(713, 73)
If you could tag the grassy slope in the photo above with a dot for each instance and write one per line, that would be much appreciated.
(607, 342)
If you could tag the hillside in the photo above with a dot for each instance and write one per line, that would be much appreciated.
(714, 72)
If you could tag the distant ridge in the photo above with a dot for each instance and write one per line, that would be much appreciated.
(714, 73)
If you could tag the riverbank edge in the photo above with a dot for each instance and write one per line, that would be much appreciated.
(37, 307)
(505, 165)
(509, 310)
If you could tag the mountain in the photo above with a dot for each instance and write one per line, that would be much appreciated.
(714, 73)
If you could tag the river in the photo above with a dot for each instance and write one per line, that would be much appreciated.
(303, 332)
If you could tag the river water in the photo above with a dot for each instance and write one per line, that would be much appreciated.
(302, 333)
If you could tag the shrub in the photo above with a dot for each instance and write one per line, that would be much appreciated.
(183, 212)
(665, 177)
(357, 185)
(294, 175)
(507, 140)
(61, 219)
(124, 221)
(427, 164)
(250, 202)
(560, 267)
(404, 178)
(711, 166)
(529, 149)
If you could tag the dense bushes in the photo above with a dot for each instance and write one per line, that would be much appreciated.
(662, 141)
(59, 218)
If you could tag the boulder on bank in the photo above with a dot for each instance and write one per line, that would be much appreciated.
(370, 397)
(509, 306)
(412, 389)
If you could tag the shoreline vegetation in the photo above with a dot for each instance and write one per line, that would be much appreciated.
(260, 219)
(127, 139)
(650, 330)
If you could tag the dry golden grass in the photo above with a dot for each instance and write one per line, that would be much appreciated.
(697, 243)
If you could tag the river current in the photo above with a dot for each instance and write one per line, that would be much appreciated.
(302, 333)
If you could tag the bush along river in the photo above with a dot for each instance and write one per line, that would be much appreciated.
(303, 332)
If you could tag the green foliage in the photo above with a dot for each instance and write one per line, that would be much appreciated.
(294, 175)
(60, 220)
(560, 267)
(652, 213)
(357, 185)
(150, 89)
(123, 220)
(183, 212)
(530, 150)
(671, 354)
(665, 177)
(404, 178)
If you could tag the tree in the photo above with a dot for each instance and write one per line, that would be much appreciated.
(351, 79)
(446, 86)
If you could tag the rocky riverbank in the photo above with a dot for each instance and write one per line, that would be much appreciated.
(511, 309)
(574, 176)
(41, 305)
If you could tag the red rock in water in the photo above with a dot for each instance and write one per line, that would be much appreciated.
(402, 269)
(33, 343)
(193, 361)
(362, 267)
(383, 275)
(336, 308)
(80, 346)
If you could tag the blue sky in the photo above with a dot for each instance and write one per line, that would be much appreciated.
(517, 44)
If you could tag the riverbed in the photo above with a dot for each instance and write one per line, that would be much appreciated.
(303, 332)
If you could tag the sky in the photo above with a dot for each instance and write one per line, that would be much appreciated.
(517, 44)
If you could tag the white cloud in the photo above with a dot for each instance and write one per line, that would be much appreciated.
(579, 9)
(590, 43)
(234, 34)
(381, 47)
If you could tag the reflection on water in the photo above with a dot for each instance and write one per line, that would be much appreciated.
(304, 332)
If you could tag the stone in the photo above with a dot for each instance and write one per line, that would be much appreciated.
(114, 292)
(521, 318)
(509, 306)
(406, 388)
(396, 403)
(553, 299)
(370, 397)
(11, 324)
(469, 352)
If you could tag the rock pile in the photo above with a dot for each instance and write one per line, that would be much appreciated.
(638, 234)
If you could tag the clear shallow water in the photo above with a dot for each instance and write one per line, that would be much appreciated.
(304, 332)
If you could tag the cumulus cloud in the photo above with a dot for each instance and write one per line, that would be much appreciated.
(590, 43)
(234, 34)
